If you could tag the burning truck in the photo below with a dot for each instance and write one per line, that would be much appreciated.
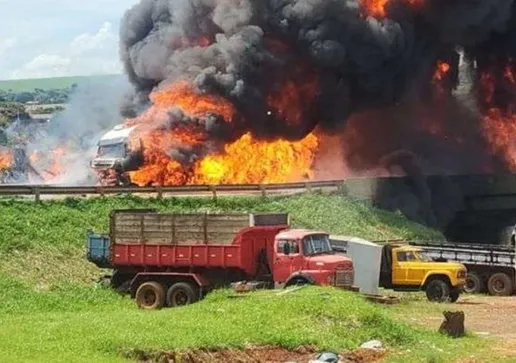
(117, 154)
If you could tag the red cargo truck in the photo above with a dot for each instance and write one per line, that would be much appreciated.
(174, 259)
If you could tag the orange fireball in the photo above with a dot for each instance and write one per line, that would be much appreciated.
(252, 161)
(247, 160)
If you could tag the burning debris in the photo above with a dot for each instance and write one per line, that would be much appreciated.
(243, 91)
(260, 91)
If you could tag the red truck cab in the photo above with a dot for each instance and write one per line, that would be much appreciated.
(304, 256)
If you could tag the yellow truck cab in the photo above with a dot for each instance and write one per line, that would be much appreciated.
(406, 268)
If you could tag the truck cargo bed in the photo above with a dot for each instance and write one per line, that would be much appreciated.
(470, 254)
(149, 227)
(141, 239)
(178, 256)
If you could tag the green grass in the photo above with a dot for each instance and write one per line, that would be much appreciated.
(75, 324)
(21, 85)
(52, 311)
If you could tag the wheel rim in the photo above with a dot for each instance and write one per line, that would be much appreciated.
(149, 298)
(471, 285)
(181, 298)
(498, 285)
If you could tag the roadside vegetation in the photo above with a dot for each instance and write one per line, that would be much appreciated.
(52, 310)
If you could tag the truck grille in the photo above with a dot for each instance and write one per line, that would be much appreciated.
(344, 278)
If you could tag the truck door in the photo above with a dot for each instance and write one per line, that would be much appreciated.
(399, 268)
(407, 270)
(287, 259)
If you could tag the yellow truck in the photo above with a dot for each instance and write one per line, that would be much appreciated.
(405, 267)
(401, 267)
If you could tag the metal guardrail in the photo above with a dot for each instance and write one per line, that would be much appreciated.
(39, 190)
(498, 191)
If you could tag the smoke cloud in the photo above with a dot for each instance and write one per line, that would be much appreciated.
(245, 50)
(364, 74)
(60, 151)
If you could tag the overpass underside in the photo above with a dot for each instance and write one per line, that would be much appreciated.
(469, 208)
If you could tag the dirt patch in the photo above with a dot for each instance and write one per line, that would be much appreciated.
(485, 315)
(489, 317)
(251, 354)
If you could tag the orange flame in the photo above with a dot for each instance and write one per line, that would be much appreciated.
(6, 160)
(183, 96)
(499, 122)
(289, 102)
(441, 70)
(265, 162)
(438, 78)
(376, 8)
(57, 156)
(500, 131)
(246, 160)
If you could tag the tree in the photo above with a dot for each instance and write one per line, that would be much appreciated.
(9, 111)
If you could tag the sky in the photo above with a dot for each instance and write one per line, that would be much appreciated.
(53, 38)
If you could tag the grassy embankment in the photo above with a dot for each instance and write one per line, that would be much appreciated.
(50, 311)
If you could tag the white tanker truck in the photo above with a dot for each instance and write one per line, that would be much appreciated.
(116, 155)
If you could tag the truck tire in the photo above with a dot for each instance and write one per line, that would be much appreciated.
(150, 296)
(454, 294)
(500, 284)
(297, 281)
(438, 290)
(182, 293)
(474, 284)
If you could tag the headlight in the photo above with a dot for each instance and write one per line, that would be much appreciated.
(461, 274)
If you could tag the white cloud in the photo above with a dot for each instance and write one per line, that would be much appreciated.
(87, 54)
(46, 38)
(6, 45)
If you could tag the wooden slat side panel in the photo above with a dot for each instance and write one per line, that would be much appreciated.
(180, 229)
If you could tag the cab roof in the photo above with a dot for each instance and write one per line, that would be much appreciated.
(297, 233)
(117, 134)
(405, 248)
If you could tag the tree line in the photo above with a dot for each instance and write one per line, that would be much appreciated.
(38, 95)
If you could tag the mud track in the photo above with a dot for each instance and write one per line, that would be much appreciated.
(252, 354)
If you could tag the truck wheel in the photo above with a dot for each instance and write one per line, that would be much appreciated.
(437, 290)
(500, 284)
(474, 284)
(150, 295)
(182, 293)
(297, 281)
(454, 294)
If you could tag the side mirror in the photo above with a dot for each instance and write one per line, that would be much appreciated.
(286, 249)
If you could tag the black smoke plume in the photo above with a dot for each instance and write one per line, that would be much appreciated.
(365, 67)
(244, 49)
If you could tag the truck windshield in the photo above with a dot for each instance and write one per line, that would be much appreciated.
(111, 151)
(406, 256)
(316, 244)
(423, 256)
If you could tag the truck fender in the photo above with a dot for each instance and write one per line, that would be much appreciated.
(300, 277)
(431, 274)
